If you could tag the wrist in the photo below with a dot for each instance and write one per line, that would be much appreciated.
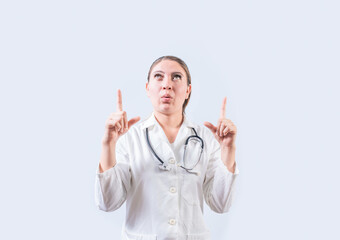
(228, 148)
(110, 144)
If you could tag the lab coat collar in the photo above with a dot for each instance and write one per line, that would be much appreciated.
(151, 121)
(160, 143)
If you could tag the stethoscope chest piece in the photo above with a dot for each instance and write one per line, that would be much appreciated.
(164, 167)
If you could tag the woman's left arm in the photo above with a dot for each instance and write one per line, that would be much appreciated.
(222, 170)
(228, 157)
(225, 134)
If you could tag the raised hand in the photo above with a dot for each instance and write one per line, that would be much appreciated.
(225, 130)
(117, 124)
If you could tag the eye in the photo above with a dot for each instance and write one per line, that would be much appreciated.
(158, 75)
(179, 76)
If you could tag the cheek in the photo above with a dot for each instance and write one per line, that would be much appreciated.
(183, 92)
(153, 88)
(154, 93)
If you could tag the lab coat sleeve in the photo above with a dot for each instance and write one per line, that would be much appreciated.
(219, 182)
(112, 185)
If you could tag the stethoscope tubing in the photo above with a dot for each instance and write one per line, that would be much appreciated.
(186, 143)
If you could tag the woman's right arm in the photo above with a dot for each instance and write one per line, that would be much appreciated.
(112, 184)
(115, 126)
(107, 157)
(113, 173)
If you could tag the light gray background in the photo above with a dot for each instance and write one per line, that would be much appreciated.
(61, 63)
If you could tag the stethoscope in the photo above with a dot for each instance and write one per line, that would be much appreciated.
(166, 167)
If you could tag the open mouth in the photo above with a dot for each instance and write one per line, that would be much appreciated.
(166, 98)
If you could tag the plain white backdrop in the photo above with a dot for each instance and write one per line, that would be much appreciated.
(61, 63)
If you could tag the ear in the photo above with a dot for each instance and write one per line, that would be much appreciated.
(147, 89)
(188, 91)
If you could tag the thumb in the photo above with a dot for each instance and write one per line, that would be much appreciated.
(210, 126)
(133, 121)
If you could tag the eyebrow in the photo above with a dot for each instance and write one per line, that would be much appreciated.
(172, 73)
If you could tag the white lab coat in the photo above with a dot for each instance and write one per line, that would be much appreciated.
(164, 204)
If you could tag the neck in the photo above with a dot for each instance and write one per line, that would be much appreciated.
(170, 120)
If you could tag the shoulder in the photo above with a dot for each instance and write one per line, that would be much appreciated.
(136, 130)
(202, 131)
(140, 125)
(206, 135)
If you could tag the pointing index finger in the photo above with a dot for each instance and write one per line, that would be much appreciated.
(119, 101)
(224, 103)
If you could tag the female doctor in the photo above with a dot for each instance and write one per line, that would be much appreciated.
(164, 166)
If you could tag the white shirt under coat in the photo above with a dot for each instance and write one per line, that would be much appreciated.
(164, 204)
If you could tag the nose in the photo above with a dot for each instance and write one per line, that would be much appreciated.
(166, 83)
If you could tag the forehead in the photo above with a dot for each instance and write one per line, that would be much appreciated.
(168, 66)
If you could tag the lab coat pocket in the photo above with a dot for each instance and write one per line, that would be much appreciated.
(136, 236)
(191, 184)
(189, 189)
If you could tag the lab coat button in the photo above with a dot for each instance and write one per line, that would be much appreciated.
(173, 189)
(172, 221)
(172, 161)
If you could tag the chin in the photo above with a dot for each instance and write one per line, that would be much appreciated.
(167, 110)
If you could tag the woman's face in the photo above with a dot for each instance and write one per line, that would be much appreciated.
(167, 87)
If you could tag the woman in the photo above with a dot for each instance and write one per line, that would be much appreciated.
(147, 165)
